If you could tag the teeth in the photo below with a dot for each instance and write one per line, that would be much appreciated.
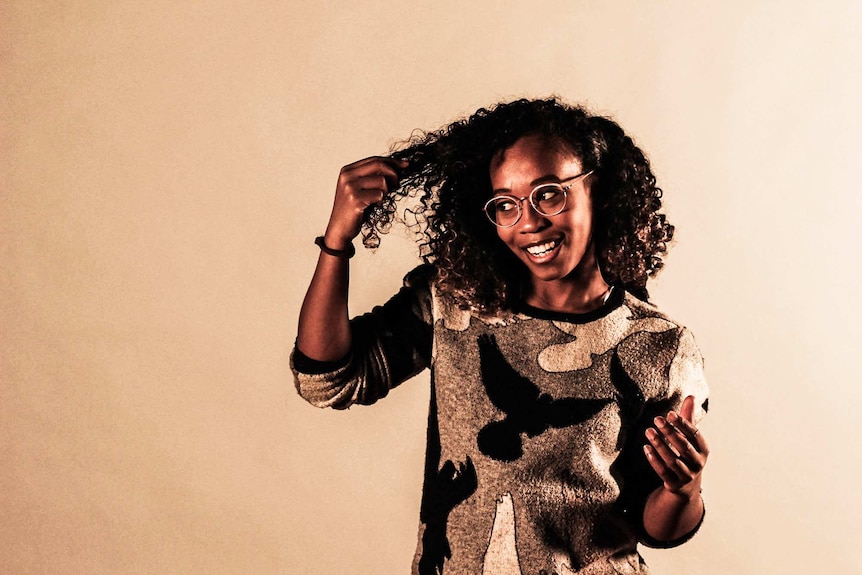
(541, 249)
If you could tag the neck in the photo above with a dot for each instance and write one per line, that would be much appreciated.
(579, 292)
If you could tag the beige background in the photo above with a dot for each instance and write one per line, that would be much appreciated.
(166, 165)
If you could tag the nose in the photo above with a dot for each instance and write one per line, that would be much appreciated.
(531, 220)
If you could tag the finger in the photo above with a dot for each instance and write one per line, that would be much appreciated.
(370, 176)
(684, 445)
(683, 425)
(359, 193)
(365, 197)
(656, 463)
(401, 163)
(375, 164)
(676, 431)
(692, 433)
(687, 409)
(372, 182)
(678, 471)
(668, 475)
(365, 161)
(671, 435)
(667, 454)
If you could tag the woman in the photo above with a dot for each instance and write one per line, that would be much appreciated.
(563, 407)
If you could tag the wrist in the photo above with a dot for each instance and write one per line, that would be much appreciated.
(338, 241)
(681, 498)
(688, 492)
(346, 252)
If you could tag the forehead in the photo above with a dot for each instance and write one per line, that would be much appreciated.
(532, 158)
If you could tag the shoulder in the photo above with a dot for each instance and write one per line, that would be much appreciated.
(640, 309)
(421, 277)
(441, 305)
(660, 353)
(643, 313)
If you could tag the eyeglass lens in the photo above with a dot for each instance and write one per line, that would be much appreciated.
(548, 200)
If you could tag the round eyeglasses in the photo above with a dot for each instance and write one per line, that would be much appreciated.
(547, 199)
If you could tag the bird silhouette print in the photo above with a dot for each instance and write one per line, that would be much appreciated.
(445, 489)
(526, 410)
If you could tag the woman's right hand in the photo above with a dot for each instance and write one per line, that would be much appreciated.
(360, 185)
(324, 327)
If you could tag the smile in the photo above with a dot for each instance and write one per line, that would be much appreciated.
(543, 249)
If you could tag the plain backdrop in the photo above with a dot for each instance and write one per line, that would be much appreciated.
(165, 166)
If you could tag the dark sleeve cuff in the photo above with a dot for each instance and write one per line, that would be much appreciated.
(304, 364)
(657, 544)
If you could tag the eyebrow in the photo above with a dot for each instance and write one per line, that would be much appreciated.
(546, 179)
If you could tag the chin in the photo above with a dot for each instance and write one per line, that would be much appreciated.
(548, 274)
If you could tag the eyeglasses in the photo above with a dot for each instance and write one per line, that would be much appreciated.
(547, 199)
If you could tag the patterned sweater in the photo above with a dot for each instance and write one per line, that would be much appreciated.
(534, 461)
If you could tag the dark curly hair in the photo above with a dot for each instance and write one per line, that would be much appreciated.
(448, 176)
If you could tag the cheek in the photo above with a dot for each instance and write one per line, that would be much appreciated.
(504, 236)
(583, 220)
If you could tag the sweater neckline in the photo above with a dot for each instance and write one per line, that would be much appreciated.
(614, 301)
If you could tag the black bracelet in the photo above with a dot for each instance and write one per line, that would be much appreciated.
(344, 254)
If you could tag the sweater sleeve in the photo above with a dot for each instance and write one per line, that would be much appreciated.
(665, 367)
(685, 377)
(390, 344)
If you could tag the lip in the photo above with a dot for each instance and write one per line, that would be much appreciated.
(543, 256)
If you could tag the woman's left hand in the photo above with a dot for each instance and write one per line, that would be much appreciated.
(677, 450)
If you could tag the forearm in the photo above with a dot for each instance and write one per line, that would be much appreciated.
(324, 327)
(669, 516)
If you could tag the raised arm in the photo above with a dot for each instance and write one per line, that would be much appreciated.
(324, 329)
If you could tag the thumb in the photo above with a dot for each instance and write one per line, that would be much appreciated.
(687, 409)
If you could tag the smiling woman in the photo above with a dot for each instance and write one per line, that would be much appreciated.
(556, 245)
(563, 407)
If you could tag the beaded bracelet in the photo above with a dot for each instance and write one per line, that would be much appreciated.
(344, 254)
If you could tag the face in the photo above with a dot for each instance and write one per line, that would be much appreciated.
(555, 248)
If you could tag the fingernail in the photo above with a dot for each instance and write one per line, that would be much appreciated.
(660, 421)
(672, 416)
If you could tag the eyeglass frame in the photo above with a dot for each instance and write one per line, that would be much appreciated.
(519, 200)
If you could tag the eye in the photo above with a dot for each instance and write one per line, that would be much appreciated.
(546, 194)
(505, 205)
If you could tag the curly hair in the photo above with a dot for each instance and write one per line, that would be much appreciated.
(448, 176)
